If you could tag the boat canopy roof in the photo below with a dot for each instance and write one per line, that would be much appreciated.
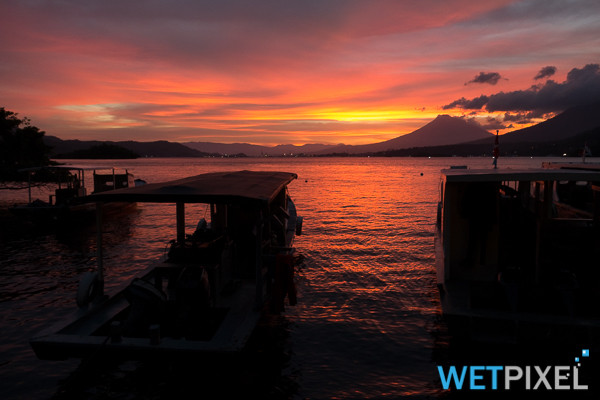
(592, 166)
(214, 188)
(67, 167)
(501, 175)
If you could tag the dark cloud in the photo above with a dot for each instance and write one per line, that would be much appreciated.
(486, 77)
(493, 124)
(585, 74)
(473, 104)
(523, 117)
(545, 72)
(582, 86)
(489, 124)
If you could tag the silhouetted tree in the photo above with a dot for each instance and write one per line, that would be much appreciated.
(21, 146)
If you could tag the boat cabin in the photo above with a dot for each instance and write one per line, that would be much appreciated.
(70, 180)
(111, 181)
(207, 294)
(519, 242)
(493, 220)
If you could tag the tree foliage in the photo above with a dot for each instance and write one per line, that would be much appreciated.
(21, 146)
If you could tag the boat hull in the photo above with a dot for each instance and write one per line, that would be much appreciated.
(88, 331)
(68, 215)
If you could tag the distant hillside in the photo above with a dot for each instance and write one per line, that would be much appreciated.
(569, 123)
(443, 130)
(571, 147)
(103, 151)
(160, 148)
(256, 150)
(223, 148)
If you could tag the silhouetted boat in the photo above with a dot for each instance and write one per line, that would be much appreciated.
(207, 295)
(517, 254)
(67, 203)
(586, 166)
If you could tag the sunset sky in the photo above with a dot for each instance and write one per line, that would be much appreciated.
(278, 72)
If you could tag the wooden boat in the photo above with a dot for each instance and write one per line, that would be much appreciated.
(517, 254)
(67, 202)
(207, 295)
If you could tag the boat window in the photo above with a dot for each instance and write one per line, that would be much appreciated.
(508, 189)
(536, 189)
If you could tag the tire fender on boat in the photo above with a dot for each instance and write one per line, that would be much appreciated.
(89, 287)
(284, 282)
(299, 226)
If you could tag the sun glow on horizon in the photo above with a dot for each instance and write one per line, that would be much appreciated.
(309, 124)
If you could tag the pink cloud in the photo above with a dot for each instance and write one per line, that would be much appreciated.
(100, 68)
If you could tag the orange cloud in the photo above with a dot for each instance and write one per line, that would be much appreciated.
(273, 72)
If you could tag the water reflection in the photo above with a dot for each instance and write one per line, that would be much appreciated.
(371, 281)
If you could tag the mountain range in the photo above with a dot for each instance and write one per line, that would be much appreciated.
(254, 150)
(443, 135)
(160, 148)
(569, 123)
(443, 130)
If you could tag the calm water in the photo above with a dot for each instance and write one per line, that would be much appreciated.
(368, 320)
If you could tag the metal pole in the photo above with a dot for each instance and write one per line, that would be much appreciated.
(99, 255)
(29, 185)
(258, 261)
(180, 217)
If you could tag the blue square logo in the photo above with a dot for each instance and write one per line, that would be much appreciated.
(585, 353)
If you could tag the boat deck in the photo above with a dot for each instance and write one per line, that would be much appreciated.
(210, 293)
(231, 336)
(235, 318)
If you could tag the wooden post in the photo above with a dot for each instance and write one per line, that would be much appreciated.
(99, 254)
(180, 210)
(29, 185)
(548, 198)
(596, 194)
(258, 261)
(542, 216)
(537, 199)
(524, 188)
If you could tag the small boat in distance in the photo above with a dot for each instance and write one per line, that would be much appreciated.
(67, 202)
(517, 254)
(586, 166)
(208, 293)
